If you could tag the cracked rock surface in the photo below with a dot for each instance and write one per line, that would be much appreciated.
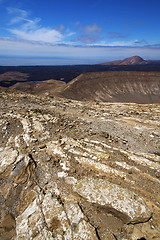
(78, 170)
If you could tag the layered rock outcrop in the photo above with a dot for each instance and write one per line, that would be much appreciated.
(78, 170)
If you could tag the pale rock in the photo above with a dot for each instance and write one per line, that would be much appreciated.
(137, 234)
(104, 193)
(81, 229)
(70, 180)
(8, 156)
(74, 212)
(56, 218)
(21, 163)
(30, 223)
(85, 231)
(44, 235)
(107, 236)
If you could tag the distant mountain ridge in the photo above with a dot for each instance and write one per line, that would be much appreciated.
(134, 60)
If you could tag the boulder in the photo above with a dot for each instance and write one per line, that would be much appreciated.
(117, 199)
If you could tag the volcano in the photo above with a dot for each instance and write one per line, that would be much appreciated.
(135, 60)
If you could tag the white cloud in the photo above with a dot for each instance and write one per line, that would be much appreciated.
(22, 48)
(30, 24)
(87, 39)
(18, 11)
(70, 34)
(89, 34)
(31, 39)
(19, 15)
(92, 29)
(121, 43)
(29, 29)
(41, 34)
(23, 27)
(116, 43)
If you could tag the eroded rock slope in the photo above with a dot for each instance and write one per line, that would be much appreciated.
(78, 170)
(115, 86)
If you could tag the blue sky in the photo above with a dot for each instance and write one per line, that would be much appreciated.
(77, 31)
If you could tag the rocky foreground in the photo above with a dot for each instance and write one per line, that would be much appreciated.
(78, 170)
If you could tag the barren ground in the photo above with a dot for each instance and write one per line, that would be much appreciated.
(78, 170)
